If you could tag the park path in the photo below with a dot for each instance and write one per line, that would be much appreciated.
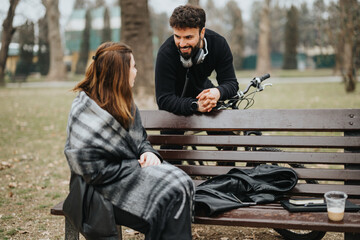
(298, 79)
(67, 84)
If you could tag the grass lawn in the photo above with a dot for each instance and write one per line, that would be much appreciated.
(307, 95)
(289, 73)
(324, 72)
(33, 170)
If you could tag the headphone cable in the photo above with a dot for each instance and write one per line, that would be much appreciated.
(186, 82)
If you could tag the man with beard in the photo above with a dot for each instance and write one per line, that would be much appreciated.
(187, 59)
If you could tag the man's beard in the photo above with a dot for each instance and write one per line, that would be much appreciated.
(193, 51)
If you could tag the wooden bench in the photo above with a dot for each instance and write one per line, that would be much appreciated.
(19, 78)
(326, 140)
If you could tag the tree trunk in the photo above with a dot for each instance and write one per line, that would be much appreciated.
(348, 8)
(236, 34)
(7, 33)
(263, 63)
(291, 39)
(57, 71)
(85, 45)
(44, 52)
(26, 52)
(136, 32)
(106, 32)
(339, 47)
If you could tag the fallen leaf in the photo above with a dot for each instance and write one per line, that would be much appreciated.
(4, 165)
(47, 233)
(12, 185)
(65, 182)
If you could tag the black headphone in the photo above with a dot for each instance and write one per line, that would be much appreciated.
(199, 57)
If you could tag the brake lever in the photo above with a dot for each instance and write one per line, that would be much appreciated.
(262, 87)
(266, 84)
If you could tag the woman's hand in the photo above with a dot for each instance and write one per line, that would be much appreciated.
(149, 159)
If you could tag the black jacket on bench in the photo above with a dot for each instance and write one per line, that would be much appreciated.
(244, 187)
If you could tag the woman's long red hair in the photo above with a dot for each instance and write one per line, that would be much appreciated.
(107, 81)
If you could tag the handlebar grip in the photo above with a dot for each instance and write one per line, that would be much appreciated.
(266, 76)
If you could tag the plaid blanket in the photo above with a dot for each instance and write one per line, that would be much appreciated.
(105, 154)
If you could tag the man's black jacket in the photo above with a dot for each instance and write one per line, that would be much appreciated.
(170, 74)
(244, 187)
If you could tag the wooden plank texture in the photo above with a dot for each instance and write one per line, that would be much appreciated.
(258, 156)
(303, 173)
(280, 218)
(256, 119)
(257, 141)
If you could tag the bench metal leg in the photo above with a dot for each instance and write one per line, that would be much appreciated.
(70, 232)
(119, 231)
(347, 235)
(351, 236)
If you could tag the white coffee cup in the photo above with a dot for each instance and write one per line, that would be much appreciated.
(335, 202)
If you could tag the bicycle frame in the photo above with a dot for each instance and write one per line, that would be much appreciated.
(235, 101)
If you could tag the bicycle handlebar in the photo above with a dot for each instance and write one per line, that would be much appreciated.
(256, 82)
(264, 77)
(241, 95)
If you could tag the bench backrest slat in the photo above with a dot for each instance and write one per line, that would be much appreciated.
(264, 119)
(320, 189)
(317, 189)
(273, 141)
(325, 141)
(303, 173)
(260, 156)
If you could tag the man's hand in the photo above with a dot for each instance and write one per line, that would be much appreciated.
(208, 99)
(149, 159)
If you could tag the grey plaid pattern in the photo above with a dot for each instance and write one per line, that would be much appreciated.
(105, 154)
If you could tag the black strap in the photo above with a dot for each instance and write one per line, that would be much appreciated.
(186, 82)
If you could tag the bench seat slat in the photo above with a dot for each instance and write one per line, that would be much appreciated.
(263, 141)
(259, 156)
(57, 209)
(280, 218)
(306, 173)
(273, 214)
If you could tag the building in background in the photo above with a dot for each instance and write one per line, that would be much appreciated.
(12, 59)
(75, 27)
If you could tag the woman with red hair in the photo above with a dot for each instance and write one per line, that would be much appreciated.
(117, 177)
